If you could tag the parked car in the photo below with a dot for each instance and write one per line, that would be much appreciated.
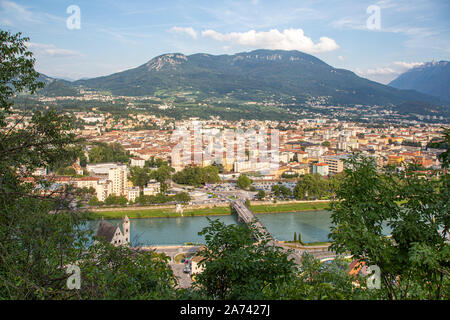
(187, 269)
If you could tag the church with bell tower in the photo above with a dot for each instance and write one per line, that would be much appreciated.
(113, 234)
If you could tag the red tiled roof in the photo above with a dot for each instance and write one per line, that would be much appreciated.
(88, 179)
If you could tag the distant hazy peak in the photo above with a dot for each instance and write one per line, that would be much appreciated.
(430, 64)
(431, 78)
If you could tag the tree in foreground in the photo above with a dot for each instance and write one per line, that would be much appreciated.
(415, 261)
(110, 272)
(318, 281)
(39, 235)
(237, 267)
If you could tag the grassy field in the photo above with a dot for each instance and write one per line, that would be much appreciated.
(170, 212)
(160, 213)
(305, 244)
(290, 207)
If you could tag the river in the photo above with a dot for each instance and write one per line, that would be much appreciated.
(312, 225)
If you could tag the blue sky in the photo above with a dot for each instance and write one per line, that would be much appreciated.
(118, 35)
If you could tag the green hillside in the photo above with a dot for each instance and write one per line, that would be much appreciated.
(255, 75)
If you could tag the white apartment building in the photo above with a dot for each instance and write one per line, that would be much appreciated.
(107, 179)
(137, 162)
(342, 145)
(133, 193)
(102, 169)
(335, 163)
(285, 156)
(87, 182)
(103, 189)
(40, 172)
(118, 177)
(320, 168)
(92, 119)
(153, 187)
(315, 151)
(245, 166)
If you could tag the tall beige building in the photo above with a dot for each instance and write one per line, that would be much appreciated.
(118, 178)
(103, 190)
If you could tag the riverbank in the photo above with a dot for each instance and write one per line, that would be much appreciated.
(159, 213)
(290, 207)
(307, 245)
(170, 212)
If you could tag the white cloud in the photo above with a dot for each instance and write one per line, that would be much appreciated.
(395, 68)
(381, 70)
(189, 31)
(349, 23)
(408, 65)
(389, 72)
(11, 9)
(51, 50)
(19, 15)
(289, 39)
(341, 58)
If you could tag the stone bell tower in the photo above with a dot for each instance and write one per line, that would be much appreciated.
(126, 229)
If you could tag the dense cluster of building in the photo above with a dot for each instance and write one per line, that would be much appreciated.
(304, 146)
(106, 179)
(301, 147)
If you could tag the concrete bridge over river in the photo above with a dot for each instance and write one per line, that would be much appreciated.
(245, 215)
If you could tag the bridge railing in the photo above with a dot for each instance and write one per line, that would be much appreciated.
(245, 214)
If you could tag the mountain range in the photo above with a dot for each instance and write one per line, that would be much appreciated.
(57, 87)
(250, 76)
(432, 78)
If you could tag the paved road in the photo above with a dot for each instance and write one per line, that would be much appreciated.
(172, 251)
(184, 279)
